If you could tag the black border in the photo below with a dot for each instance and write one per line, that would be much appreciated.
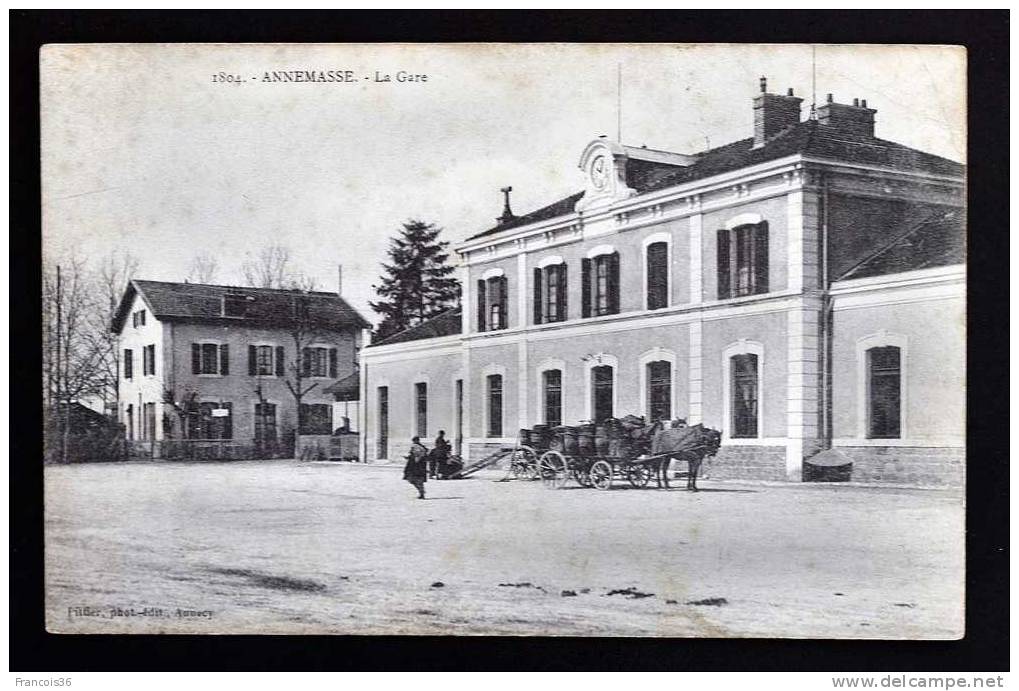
(985, 647)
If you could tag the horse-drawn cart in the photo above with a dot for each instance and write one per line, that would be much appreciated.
(623, 450)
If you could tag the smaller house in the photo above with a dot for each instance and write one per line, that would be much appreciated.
(201, 363)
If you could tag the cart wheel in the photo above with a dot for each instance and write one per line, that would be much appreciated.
(522, 463)
(601, 475)
(638, 475)
(582, 476)
(553, 469)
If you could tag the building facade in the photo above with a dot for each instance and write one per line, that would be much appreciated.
(204, 363)
(800, 290)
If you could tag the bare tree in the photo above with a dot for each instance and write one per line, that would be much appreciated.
(204, 268)
(73, 359)
(269, 269)
(302, 281)
(110, 281)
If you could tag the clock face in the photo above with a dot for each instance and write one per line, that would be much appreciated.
(600, 173)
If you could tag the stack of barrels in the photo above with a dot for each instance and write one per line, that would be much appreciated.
(618, 438)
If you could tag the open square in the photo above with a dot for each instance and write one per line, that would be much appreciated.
(289, 547)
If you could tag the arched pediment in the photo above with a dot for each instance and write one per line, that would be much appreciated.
(604, 165)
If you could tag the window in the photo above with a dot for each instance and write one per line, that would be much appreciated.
(743, 260)
(213, 421)
(265, 422)
(600, 285)
(128, 363)
(383, 397)
(550, 294)
(492, 303)
(421, 409)
(138, 318)
(129, 420)
(552, 386)
(235, 305)
(210, 358)
(659, 378)
(602, 393)
(316, 418)
(494, 405)
(319, 361)
(657, 275)
(884, 388)
(149, 360)
(743, 369)
(149, 421)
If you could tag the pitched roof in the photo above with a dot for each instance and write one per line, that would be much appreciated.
(446, 324)
(262, 306)
(808, 138)
(938, 240)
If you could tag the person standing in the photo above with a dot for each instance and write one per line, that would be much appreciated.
(416, 470)
(440, 454)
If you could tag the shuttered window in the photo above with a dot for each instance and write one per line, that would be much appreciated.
(128, 363)
(600, 285)
(210, 358)
(492, 304)
(319, 361)
(149, 360)
(742, 261)
(550, 289)
(315, 418)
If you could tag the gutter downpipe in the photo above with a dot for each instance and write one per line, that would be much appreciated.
(827, 324)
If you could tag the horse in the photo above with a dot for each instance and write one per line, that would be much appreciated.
(691, 444)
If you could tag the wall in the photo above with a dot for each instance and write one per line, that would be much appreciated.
(770, 330)
(142, 388)
(438, 371)
(238, 387)
(935, 373)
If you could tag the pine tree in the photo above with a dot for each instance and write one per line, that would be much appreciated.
(418, 283)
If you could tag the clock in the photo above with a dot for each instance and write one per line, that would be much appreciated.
(600, 172)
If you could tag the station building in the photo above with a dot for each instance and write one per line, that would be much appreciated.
(802, 290)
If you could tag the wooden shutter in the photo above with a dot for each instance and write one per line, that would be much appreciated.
(128, 363)
(306, 362)
(196, 358)
(562, 292)
(613, 282)
(224, 359)
(538, 296)
(252, 361)
(228, 421)
(481, 305)
(585, 287)
(761, 258)
(332, 363)
(657, 275)
(503, 302)
(722, 250)
(279, 361)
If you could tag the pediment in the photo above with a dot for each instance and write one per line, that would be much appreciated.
(603, 163)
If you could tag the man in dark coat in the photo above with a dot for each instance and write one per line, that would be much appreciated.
(438, 457)
(416, 470)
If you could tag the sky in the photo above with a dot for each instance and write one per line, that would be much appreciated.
(144, 153)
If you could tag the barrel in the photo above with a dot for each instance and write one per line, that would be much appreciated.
(585, 444)
(525, 437)
(601, 440)
(571, 446)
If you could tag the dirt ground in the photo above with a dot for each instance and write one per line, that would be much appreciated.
(289, 547)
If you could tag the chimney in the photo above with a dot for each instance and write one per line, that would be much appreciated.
(339, 280)
(773, 113)
(853, 119)
(507, 214)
